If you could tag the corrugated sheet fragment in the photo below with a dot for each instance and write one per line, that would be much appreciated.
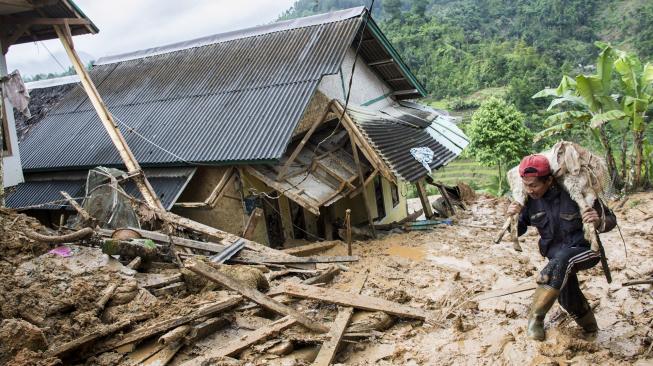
(396, 129)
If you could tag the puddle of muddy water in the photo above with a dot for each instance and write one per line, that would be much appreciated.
(416, 254)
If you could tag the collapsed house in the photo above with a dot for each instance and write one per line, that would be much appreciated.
(262, 117)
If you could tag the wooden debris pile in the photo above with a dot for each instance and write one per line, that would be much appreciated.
(140, 297)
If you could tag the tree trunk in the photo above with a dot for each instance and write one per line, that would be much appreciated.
(624, 155)
(638, 140)
(500, 181)
(609, 157)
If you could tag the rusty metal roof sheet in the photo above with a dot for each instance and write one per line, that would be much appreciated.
(393, 131)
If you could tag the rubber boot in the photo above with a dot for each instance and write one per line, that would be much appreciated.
(588, 322)
(543, 299)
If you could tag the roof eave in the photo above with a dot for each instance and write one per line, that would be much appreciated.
(378, 34)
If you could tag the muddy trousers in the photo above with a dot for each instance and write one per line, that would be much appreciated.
(560, 274)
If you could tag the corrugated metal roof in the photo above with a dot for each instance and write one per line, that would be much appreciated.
(36, 193)
(393, 131)
(230, 102)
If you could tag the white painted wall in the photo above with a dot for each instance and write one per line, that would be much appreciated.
(11, 168)
(366, 85)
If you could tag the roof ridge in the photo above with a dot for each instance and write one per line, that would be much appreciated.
(259, 30)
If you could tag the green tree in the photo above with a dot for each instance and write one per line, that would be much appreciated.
(498, 135)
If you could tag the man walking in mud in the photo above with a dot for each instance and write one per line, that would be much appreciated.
(560, 224)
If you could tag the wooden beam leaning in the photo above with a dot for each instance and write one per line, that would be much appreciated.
(357, 301)
(256, 296)
(86, 217)
(63, 32)
(303, 142)
(330, 347)
(368, 151)
(252, 222)
(215, 194)
(426, 205)
(361, 178)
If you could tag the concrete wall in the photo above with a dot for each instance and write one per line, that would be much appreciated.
(11, 167)
(368, 88)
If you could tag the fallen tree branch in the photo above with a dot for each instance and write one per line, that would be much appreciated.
(58, 239)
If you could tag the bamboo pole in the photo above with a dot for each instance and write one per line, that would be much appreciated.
(63, 32)
(362, 181)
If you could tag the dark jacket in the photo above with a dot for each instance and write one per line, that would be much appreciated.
(559, 221)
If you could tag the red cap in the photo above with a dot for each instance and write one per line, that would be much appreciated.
(539, 165)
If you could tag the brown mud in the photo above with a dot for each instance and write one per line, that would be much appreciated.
(52, 300)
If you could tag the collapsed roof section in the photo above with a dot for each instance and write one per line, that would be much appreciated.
(233, 98)
(395, 130)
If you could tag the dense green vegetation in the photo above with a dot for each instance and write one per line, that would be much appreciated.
(464, 51)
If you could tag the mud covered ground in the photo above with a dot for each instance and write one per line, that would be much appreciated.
(441, 270)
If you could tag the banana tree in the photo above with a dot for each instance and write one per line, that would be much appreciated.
(637, 83)
(589, 104)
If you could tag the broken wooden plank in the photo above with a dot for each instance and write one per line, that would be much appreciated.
(155, 280)
(164, 356)
(330, 347)
(252, 222)
(171, 289)
(239, 345)
(204, 329)
(135, 263)
(175, 334)
(107, 293)
(310, 249)
(141, 354)
(530, 285)
(357, 301)
(254, 295)
(79, 342)
(303, 260)
(165, 325)
(86, 217)
(324, 277)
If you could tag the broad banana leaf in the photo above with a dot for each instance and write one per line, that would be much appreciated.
(567, 99)
(567, 117)
(587, 88)
(647, 75)
(604, 67)
(547, 92)
(554, 130)
(601, 118)
(629, 66)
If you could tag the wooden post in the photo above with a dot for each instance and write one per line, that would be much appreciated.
(348, 228)
(63, 32)
(253, 220)
(421, 192)
(361, 179)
